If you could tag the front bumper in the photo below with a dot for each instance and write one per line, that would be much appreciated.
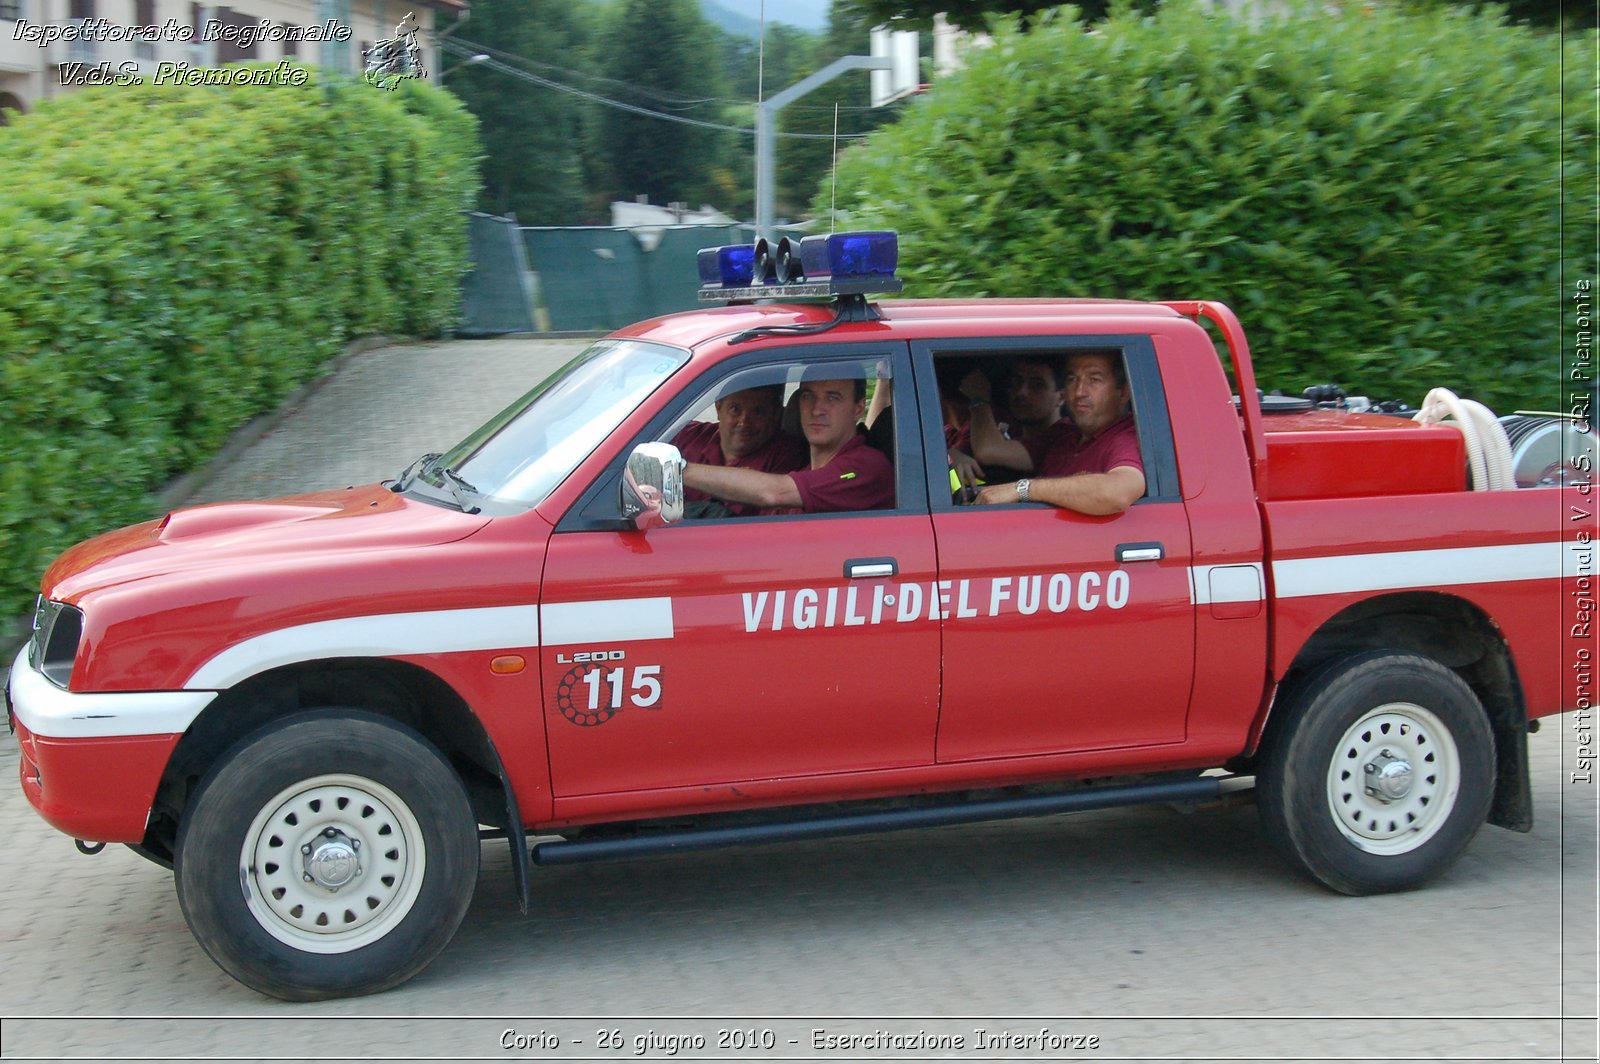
(91, 761)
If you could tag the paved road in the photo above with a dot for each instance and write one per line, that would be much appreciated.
(1165, 935)
(382, 409)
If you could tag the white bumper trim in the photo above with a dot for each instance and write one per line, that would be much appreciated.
(46, 710)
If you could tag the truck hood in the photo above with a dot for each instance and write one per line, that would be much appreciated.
(365, 519)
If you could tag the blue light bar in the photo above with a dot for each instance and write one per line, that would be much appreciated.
(729, 266)
(873, 254)
(839, 264)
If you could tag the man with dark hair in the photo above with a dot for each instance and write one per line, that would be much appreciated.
(1035, 397)
(747, 435)
(844, 472)
(1095, 468)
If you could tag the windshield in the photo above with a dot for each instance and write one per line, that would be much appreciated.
(530, 447)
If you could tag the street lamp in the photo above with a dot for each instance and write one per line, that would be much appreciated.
(481, 57)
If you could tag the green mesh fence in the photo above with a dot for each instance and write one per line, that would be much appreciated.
(494, 297)
(594, 277)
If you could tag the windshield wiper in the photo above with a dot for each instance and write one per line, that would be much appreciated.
(449, 478)
(459, 488)
(412, 471)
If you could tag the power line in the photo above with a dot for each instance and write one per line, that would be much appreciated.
(664, 95)
(465, 48)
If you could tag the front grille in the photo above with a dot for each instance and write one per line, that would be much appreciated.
(57, 628)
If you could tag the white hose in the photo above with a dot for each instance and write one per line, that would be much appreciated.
(1496, 446)
(1488, 449)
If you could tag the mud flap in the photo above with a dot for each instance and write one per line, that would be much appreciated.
(1512, 806)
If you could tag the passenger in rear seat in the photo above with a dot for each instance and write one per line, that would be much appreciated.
(1094, 467)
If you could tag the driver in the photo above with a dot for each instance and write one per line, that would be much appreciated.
(843, 471)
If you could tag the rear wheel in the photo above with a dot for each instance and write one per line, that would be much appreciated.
(1379, 774)
(331, 854)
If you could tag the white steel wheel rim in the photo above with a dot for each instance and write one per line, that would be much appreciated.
(311, 829)
(1385, 823)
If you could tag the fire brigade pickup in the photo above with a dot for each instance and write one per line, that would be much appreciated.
(313, 709)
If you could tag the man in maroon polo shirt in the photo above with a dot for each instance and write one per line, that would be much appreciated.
(1035, 396)
(1096, 469)
(844, 472)
(747, 435)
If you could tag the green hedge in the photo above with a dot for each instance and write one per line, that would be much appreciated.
(174, 260)
(1375, 195)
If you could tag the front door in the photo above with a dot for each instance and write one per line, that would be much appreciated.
(721, 650)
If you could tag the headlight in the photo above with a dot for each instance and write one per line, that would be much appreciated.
(57, 628)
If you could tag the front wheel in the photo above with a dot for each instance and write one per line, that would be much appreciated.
(1379, 773)
(331, 854)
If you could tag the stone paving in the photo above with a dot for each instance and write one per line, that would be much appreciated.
(382, 409)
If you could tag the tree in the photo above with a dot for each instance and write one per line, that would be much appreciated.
(1374, 194)
(973, 15)
(531, 135)
(1543, 14)
(790, 55)
(662, 50)
(970, 15)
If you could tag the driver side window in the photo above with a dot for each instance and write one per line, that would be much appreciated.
(786, 438)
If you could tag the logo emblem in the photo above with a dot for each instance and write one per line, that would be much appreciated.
(388, 62)
(578, 710)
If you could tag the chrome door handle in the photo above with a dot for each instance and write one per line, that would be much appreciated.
(1140, 552)
(870, 568)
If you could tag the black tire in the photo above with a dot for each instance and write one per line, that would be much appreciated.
(1401, 724)
(371, 812)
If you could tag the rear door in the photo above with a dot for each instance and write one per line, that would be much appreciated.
(1063, 632)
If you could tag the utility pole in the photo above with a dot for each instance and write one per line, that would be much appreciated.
(766, 122)
(894, 65)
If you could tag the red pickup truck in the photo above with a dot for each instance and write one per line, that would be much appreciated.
(314, 708)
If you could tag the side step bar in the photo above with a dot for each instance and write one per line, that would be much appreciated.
(1207, 788)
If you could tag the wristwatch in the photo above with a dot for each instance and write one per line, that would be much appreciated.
(1023, 487)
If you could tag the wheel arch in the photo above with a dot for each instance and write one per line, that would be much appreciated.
(1458, 635)
(400, 691)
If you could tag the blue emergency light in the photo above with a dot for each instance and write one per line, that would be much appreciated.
(731, 265)
(838, 264)
(850, 255)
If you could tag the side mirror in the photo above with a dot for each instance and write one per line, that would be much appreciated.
(652, 486)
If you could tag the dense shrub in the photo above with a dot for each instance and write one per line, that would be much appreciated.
(1376, 195)
(174, 260)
